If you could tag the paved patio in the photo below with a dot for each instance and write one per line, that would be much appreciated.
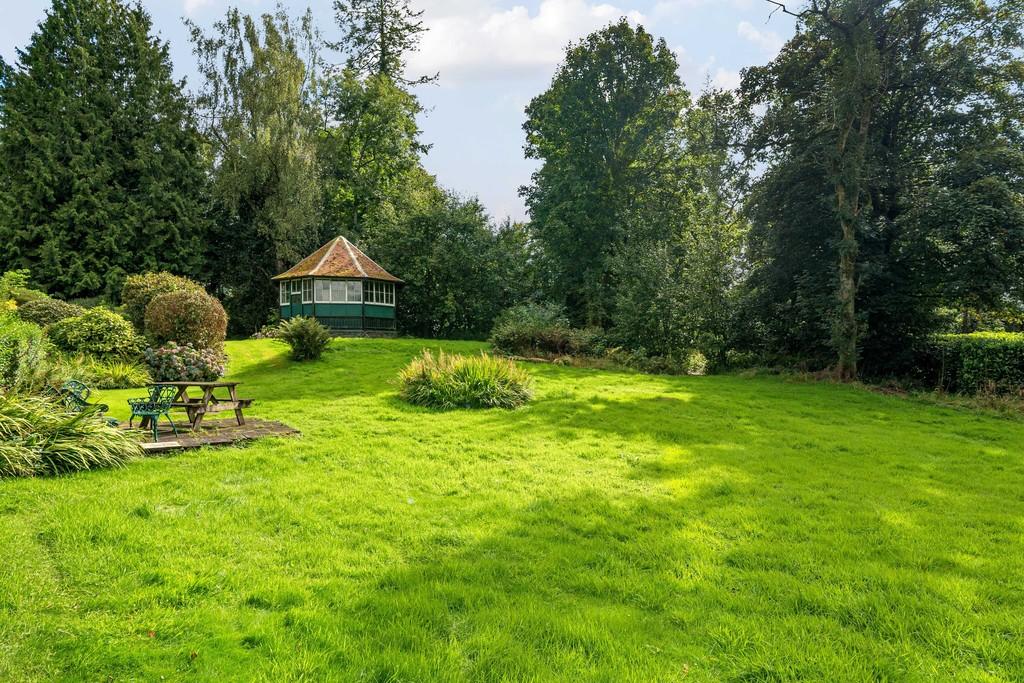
(209, 433)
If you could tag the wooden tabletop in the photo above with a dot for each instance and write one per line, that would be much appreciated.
(195, 384)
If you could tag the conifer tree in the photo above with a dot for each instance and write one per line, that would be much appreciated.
(101, 167)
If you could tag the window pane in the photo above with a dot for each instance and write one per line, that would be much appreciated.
(337, 291)
(355, 292)
(296, 285)
(323, 291)
(282, 293)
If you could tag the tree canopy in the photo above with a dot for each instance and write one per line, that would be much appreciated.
(100, 159)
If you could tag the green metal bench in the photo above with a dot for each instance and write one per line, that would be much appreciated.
(74, 395)
(150, 408)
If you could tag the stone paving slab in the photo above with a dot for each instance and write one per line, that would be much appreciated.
(210, 433)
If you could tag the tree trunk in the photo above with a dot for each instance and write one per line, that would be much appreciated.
(846, 327)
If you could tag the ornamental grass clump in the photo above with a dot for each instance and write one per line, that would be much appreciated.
(307, 338)
(39, 437)
(451, 381)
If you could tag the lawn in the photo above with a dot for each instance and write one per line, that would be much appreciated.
(621, 527)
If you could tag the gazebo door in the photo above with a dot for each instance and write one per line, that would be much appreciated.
(295, 301)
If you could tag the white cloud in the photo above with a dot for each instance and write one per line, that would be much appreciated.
(769, 41)
(478, 41)
(192, 5)
(665, 8)
(697, 74)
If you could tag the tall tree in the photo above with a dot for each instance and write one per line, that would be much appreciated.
(451, 259)
(259, 109)
(607, 131)
(369, 151)
(860, 109)
(101, 170)
(378, 36)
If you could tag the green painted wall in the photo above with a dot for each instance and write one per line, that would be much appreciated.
(339, 310)
(375, 311)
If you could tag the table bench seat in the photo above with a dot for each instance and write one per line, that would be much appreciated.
(208, 403)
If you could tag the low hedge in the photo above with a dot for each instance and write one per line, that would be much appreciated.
(979, 362)
(45, 312)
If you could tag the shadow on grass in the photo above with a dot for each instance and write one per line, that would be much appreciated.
(710, 584)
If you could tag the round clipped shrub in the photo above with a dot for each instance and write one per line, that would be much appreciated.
(306, 337)
(184, 363)
(139, 290)
(97, 332)
(455, 381)
(45, 312)
(186, 317)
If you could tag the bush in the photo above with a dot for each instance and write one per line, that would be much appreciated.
(190, 317)
(532, 329)
(306, 337)
(14, 287)
(990, 362)
(268, 331)
(24, 364)
(45, 312)
(38, 437)
(174, 363)
(113, 374)
(97, 332)
(139, 290)
(455, 381)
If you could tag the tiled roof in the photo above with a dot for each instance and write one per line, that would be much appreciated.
(337, 258)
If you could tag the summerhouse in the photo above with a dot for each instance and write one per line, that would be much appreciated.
(341, 287)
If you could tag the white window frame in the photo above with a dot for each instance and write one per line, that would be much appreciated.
(296, 287)
(307, 281)
(347, 286)
(379, 293)
(282, 297)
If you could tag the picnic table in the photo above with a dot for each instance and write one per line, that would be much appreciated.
(197, 406)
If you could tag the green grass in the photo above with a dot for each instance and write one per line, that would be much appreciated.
(620, 527)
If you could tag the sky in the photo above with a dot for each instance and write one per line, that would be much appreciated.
(493, 57)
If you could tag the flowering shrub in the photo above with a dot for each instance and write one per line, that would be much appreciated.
(174, 363)
(186, 317)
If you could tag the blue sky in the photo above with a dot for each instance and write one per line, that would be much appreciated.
(493, 57)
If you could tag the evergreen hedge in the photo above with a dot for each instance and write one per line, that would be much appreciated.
(978, 362)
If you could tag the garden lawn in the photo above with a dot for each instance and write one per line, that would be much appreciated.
(621, 527)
